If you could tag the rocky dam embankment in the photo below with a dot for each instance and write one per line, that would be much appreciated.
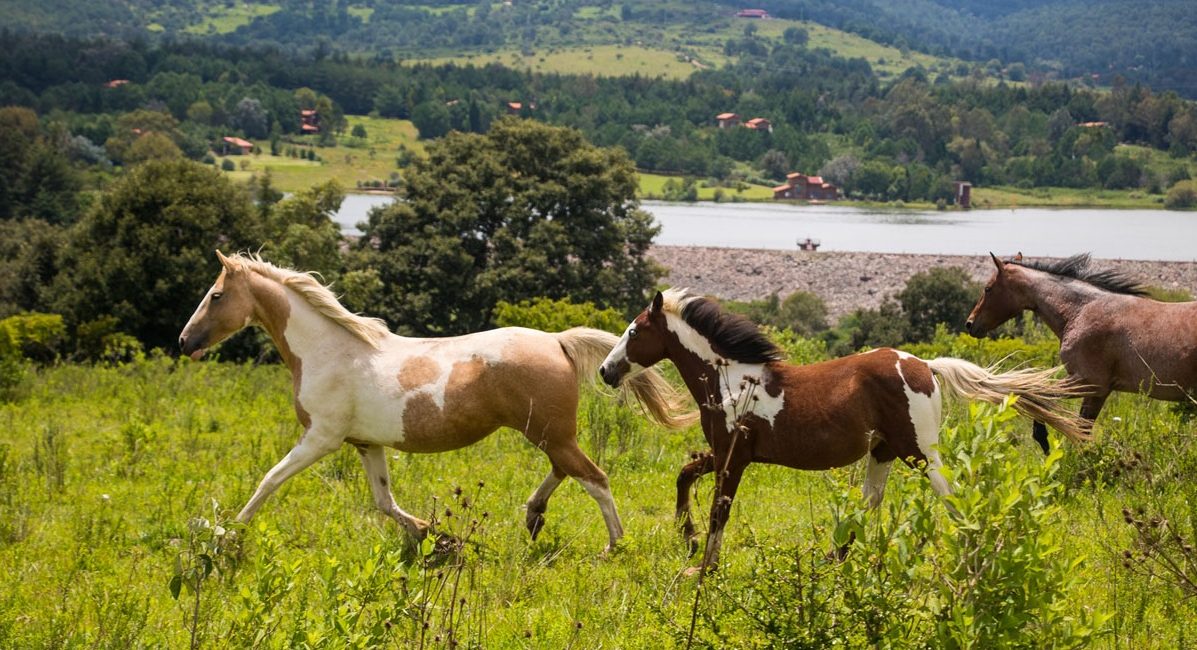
(846, 281)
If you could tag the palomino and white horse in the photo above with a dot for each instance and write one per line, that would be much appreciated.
(355, 382)
(758, 408)
(1112, 336)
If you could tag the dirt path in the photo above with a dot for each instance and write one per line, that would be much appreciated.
(850, 280)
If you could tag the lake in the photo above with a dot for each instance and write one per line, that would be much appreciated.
(1126, 234)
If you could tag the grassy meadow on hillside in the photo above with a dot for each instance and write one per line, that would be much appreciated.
(113, 480)
(350, 162)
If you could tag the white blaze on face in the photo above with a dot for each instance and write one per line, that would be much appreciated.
(619, 353)
(763, 405)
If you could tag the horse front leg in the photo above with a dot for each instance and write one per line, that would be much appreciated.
(703, 463)
(721, 505)
(311, 448)
(374, 461)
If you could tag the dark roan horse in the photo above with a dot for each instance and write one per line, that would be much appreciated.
(1112, 336)
(883, 404)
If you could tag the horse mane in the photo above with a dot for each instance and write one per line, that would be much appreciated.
(738, 338)
(1077, 268)
(319, 296)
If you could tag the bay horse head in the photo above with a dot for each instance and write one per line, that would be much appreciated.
(641, 346)
(226, 309)
(1001, 300)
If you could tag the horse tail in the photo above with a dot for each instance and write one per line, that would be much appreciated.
(587, 348)
(1039, 391)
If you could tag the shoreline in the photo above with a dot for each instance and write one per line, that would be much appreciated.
(850, 280)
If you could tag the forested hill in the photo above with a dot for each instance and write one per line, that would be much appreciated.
(1154, 43)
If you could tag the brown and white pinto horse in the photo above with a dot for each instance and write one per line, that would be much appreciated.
(355, 382)
(1112, 337)
(758, 408)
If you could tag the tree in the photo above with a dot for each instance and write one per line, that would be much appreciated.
(251, 118)
(145, 253)
(796, 36)
(152, 146)
(775, 164)
(358, 131)
(938, 295)
(525, 211)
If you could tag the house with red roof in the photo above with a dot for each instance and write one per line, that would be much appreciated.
(309, 121)
(234, 146)
(806, 188)
(727, 120)
(759, 14)
(759, 124)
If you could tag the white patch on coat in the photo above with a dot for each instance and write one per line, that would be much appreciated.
(926, 415)
(360, 390)
(764, 406)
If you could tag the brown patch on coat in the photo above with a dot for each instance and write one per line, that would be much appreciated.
(917, 375)
(536, 394)
(417, 372)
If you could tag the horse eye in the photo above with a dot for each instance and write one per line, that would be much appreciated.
(216, 296)
(632, 334)
(988, 289)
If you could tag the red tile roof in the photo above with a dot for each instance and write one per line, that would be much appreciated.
(726, 116)
(307, 112)
(245, 144)
(795, 175)
(814, 180)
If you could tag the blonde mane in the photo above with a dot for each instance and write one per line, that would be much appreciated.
(320, 297)
(675, 299)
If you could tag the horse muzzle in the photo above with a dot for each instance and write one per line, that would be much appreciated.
(192, 346)
(612, 374)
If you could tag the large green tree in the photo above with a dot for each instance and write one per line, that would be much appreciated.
(525, 210)
(144, 254)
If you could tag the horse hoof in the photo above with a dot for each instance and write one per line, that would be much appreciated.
(535, 522)
(692, 546)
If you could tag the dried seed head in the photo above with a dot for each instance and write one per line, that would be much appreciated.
(457, 491)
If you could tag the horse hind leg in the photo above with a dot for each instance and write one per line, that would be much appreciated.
(374, 462)
(703, 463)
(539, 501)
(570, 459)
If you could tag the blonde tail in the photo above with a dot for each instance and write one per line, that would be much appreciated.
(1039, 392)
(587, 347)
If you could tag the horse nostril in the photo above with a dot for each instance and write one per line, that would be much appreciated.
(182, 342)
(968, 325)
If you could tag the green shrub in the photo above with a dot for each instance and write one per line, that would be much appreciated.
(992, 573)
(34, 336)
(1181, 196)
(228, 165)
(99, 340)
(802, 312)
(557, 315)
(938, 295)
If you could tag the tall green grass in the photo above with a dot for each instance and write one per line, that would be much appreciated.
(117, 486)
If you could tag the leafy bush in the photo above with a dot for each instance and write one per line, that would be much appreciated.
(1181, 196)
(34, 336)
(802, 312)
(938, 295)
(557, 315)
(228, 165)
(990, 573)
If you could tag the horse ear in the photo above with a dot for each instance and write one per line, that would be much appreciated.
(225, 262)
(998, 263)
(658, 302)
(1018, 257)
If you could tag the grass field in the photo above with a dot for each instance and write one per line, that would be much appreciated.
(1064, 197)
(652, 186)
(221, 18)
(347, 163)
(599, 60)
(114, 479)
